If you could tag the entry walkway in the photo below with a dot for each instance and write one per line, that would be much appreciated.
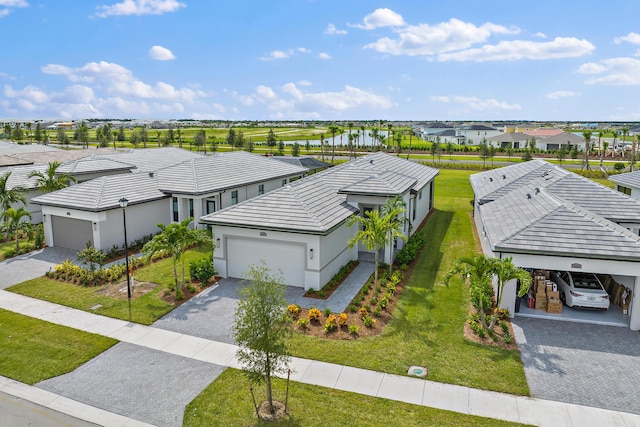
(412, 390)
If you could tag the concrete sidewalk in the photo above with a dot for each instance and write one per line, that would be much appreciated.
(405, 389)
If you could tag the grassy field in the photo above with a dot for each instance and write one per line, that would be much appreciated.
(227, 401)
(427, 325)
(145, 309)
(32, 350)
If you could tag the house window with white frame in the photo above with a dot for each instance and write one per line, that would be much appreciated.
(234, 197)
(191, 211)
(260, 189)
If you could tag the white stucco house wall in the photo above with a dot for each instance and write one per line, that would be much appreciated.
(628, 183)
(301, 228)
(90, 211)
(545, 217)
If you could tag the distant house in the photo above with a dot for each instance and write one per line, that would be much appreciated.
(301, 229)
(546, 141)
(628, 183)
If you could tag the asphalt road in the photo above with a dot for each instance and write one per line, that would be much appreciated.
(21, 413)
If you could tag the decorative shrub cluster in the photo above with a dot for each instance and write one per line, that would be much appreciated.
(71, 272)
(202, 270)
(314, 313)
(117, 251)
(331, 323)
(293, 310)
(411, 249)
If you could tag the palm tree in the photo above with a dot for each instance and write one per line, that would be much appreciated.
(479, 271)
(175, 239)
(505, 271)
(363, 129)
(51, 180)
(29, 128)
(393, 210)
(14, 226)
(10, 196)
(601, 147)
(333, 129)
(389, 133)
(372, 232)
(587, 147)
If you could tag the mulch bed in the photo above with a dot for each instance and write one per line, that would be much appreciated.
(488, 341)
(316, 327)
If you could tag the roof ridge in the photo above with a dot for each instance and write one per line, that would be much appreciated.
(602, 220)
(101, 192)
(303, 204)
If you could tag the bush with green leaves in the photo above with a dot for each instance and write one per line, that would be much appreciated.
(202, 270)
(411, 249)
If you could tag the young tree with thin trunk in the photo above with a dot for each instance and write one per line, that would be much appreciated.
(261, 328)
(393, 210)
(505, 270)
(587, 148)
(333, 129)
(13, 224)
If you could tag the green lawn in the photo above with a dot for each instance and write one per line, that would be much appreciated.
(227, 401)
(427, 325)
(33, 350)
(145, 309)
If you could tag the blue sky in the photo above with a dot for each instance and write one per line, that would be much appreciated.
(320, 59)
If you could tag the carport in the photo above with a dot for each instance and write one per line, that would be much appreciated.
(547, 218)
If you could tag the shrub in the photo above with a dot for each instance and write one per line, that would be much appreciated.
(314, 313)
(411, 249)
(302, 322)
(327, 312)
(10, 253)
(373, 301)
(507, 338)
(377, 312)
(293, 310)
(384, 302)
(353, 329)
(192, 289)
(369, 322)
(202, 270)
(363, 311)
(619, 166)
(505, 327)
(330, 324)
(475, 327)
(353, 308)
(342, 319)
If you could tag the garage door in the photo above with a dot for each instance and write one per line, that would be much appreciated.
(290, 258)
(71, 233)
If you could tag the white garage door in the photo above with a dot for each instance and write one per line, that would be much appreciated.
(71, 233)
(290, 258)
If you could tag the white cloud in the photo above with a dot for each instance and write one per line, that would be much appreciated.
(633, 38)
(139, 7)
(292, 101)
(614, 72)
(304, 83)
(540, 35)
(477, 104)
(160, 53)
(115, 79)
(7, 6)
(333, 31)
(560, 47)
(381, 17)
(324, 55)
(281, 54)
(561, 94)
(447, 36)
(6, 76)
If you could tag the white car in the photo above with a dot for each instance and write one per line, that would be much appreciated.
(581, 290)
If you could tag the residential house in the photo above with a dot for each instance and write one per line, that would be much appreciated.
(301, 229)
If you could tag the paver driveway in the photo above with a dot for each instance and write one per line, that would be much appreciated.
(34, 264)
(579, 363)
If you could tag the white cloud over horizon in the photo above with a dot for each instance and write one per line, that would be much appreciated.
(333, 31)
(633, 38)
(160, 53)
(281, 54)
(7, 6)
(324, 55)
(613, 72)
(475, 103)
(381, 17)
(139, 7)
(559, 94)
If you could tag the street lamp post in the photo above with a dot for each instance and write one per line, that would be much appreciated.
(123, 204)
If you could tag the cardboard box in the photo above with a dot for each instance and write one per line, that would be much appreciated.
(553, 294)
(541, 303)
(554, 305)
(625, 309)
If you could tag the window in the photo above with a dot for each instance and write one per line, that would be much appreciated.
(420, 195)
(413, 209)
(284, 182)
(211, 206)
(191, 208)
(260, 189)
(175, 208)
(625, 190)
(234, 197)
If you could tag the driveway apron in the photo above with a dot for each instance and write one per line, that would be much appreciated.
(34, 264)
(580, 363)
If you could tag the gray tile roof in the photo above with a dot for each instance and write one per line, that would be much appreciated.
(544, 224)
(307, 162)
(221, 171)
(152, 159)
(510, 137)
(314, 204)
(94, 164)
(629, 179)
(103, 193)
(385, 183)
(20, 176)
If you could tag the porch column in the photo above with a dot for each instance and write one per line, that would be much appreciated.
(634, 308)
